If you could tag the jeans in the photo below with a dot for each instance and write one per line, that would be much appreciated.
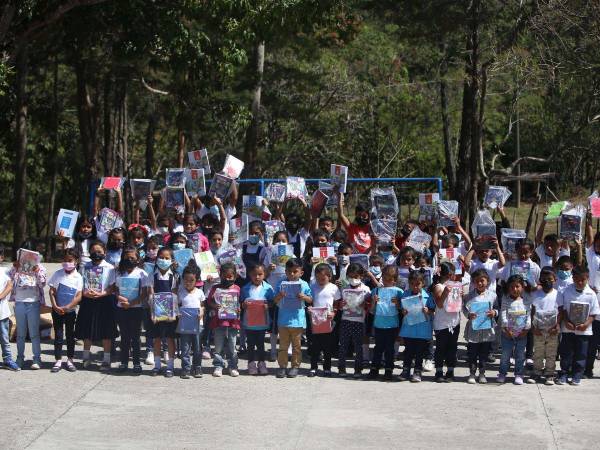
(322, 342)
(384, 346)
(573, 353)
(190, 343)
(255, 341)
(446, 343)
(414, 349)
(593, 347)
(28, 318)
(225, 336)
(478, 354)
(64, 325)
(5, 339)
(130, 326)
(510, 345)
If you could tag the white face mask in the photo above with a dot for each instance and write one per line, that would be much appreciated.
(163, 230)
(344, 260)
(353, 281)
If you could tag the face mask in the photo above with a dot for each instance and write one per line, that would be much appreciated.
(362, 220)
(112, 245)
(376, 271)
(344, 260)
(85, 235)
(335, 245)
(353, 282)
(129, 263)
(96, 256)
(163, 230)
(386, 255)
(142, 254)
(321, 244)
(563, 274)
(292, 228)
(405, 232)
(546, 285)
(253, 239)
(152, 253)
(163, 264)
(178, 245)
(227, 283)
(68, 266)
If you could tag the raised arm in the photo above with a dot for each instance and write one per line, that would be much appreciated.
(463, 233)
(341, 216)
(151, 213)
(589, 230)
(120, 208)
(539, 236)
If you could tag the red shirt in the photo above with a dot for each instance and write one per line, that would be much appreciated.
(359, 236)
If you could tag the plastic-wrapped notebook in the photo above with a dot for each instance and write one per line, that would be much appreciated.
(275, 192)
(320, 323)
(414, 306)
(354, 300)
(291, 290)
(544, 320)
(280, 254)
(195, 183)
(453, 303)
(228, 301)
(175, 178)
(66, 221)
(578, 312)
(189, 321)
(65, 295)
(385, 307)
(256, 313)
(92, 278)
(164, 307)
(233, 166)
(129, 287)
(198, 159)
(480, 309)
(182, 257)
(339, 177)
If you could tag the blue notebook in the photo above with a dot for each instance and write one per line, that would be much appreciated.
(64, 295)
(291, 300)
(182, 257)
(385, 307)
(482, 321)
(129, 288)
(414, 306)
(188, 321)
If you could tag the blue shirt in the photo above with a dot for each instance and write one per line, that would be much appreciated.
(421, 330)
(293, 318)
(386, 314)
(262, 292)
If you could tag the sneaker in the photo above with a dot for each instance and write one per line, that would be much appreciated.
(35, 366)
(87, 364)
(105, 367)
(169, 373)
(471, 379)
(205, 355)
(529, 362)
(280, 373)
(122, 368)
(292, 373)
(11, 365)
(439, 377)
(342, 371)
(491, 359)
(482, 379)
(234, 373)
(149, 361)
(70, 366)
(357, 374)
(312, 373)
(218, 372)
(154, 372)
(518, 380)
(404, 375)
(185, 374)
(137, 369)
(388, 375)
(197, 372)
(416, 378)
(428, 366)
(549, 381)
(533, 380)
(501, 378)
(576, 381)
(561, 380)
(56, 367)
(373, 374)
(252, 369)
(262, 368)
(449, 377)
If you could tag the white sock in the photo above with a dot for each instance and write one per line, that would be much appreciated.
(396, 346)
(170, 364)
(157, 362)
(86, 355)
(106, 357)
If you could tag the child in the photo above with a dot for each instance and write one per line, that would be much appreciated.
(225, 328)
(291, 319)
(479, 341)
(592, 254)
(164, 279)
(66, 287)
(576, 331)
(515, 321)
(131, 287)
(86, 234)
(405, 261)
(343, 261)
(95, 318)
(253, 250)
(385, 322)
(417, 334)
(359, 232)
(191, 298)
(28, 295)
(114, 246)
(524, 249)
(198, 242)
(325, 294)
(446, 325)
(545, 327)
(6, 286)
(352, 327)
(564, 268)
(549, 248)
(136, 237)
(257, 290)
(483, 260)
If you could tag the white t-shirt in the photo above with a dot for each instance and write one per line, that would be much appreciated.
(443, 319)
(73, 280)
(534, 271)
(325, 295)
(545, 301)
(4, 307)
(491, 266)
(570, 294)
(593, 261)
(546, 260)
(136, 274)
(192, 299)
(84, 257)
(100, 277)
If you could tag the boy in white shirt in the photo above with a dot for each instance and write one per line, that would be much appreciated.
(578, 306)
(592, 254)
(483, 260)
(6, 285)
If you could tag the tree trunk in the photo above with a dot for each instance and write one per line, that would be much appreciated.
(20, 195)
(251, 144)
(150, 142)
(180, 146)
(53, 163)
(108, 119)
(448, 149)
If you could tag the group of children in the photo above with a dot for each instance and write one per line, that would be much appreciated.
(338, 305)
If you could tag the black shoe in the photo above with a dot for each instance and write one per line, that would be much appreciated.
(292, 373)
(312, 373)
(137, 370)
(154, 372)
(280, 373)
(327, 373)
(405, 375)
(439, 376)
(197, 372)
(122, 368)
(169, 373)
(388, 375)
(373, 374)
(185, 374)
(342, 371)
(449, 376)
